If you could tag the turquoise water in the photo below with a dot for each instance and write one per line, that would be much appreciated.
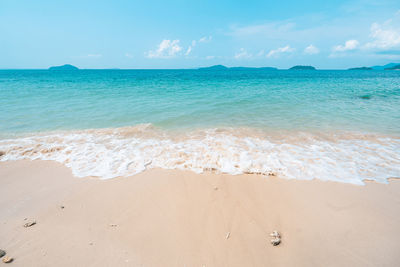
(41, 100)
(329, 125)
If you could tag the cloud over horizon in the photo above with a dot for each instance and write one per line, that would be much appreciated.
(384, 36)
(311, 50)
(205, 39)
(280, 50)
(166, 49)
(348, 46)
(242, 54)
(329, 34)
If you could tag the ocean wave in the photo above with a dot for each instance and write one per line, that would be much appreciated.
(107, 153)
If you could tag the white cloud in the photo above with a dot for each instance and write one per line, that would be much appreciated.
(205, 39)
(166, 49)
(242, 54)
(311, 50)
(129, 55)
(348, 46)
(384, 36)
(210, 57)
(189, 50)
(280, 50)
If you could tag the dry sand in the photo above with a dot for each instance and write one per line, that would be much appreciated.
(177, 218)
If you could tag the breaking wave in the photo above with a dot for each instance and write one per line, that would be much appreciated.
(107, 153)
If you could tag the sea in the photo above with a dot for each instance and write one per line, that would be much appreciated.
(331, 125)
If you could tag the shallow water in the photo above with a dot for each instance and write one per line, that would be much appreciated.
(329, 125)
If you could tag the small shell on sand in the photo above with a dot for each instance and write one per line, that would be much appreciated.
(228, 235)
(29, 224)
(276, 240)
(275, 234)
(7, 259)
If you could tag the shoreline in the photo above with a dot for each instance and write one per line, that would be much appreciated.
(179, 218)
(109, 153)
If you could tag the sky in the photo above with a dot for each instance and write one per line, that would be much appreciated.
(190, 34)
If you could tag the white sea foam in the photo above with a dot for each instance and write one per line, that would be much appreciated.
(109, 153)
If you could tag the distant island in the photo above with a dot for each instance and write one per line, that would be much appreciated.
(395, 67)
(222, 67)
(64, 67)
(299, 67)
(361, 68)
(385, 67)
(390, 66)
(215, 67)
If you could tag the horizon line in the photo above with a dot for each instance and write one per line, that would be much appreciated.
(193, 68)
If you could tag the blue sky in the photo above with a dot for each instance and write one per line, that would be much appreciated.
(185, 34)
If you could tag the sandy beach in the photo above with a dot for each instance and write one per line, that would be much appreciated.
(178, 218)
(200, 133)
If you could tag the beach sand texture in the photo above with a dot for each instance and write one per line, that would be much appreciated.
(179, 218)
